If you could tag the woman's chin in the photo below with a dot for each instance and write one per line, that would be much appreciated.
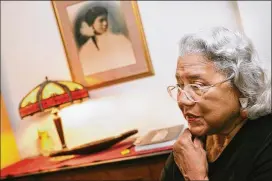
(197, 131)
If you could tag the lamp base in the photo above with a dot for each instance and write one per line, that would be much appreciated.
(95, 146)
(58, 124)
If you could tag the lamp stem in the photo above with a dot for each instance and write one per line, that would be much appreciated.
(58, 124)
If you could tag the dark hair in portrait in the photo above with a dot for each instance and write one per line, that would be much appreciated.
(93, 10)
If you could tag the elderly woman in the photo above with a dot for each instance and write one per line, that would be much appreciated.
(225, 97)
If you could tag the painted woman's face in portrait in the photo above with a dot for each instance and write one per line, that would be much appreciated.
(100, 24)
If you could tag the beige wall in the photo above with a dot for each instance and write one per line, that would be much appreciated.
(258, 27)
(32, 49)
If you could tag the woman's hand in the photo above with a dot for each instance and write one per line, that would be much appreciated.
(190, 157)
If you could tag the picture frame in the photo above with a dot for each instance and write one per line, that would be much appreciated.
(101, 49)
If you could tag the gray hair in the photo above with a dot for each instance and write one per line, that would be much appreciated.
(233, 53)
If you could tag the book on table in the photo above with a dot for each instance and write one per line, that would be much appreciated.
(158, 138)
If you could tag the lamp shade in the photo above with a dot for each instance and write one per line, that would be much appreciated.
(51, 94)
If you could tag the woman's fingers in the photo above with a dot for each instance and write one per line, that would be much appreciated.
(186, 138)
(198, 143)
(190, 156)
(186, 133)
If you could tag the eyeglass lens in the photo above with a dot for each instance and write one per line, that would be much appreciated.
(190, 92)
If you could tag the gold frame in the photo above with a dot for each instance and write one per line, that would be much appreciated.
(142, 68)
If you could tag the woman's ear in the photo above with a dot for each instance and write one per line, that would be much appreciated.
(244, 114)
(243, 102)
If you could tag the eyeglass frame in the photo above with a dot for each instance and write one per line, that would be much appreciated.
(201, 88)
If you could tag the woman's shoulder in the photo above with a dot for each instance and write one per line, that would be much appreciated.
(258, 129)
(255, 134)
(261, 125)
(264, 117)
(263, 158)
(120, 38)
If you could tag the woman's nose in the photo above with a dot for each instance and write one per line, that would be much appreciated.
(185, 101)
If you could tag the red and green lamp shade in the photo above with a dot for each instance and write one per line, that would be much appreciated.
(51, 94)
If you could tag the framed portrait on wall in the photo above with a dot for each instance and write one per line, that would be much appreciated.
(104, 41)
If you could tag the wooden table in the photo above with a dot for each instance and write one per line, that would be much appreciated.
(144, 167)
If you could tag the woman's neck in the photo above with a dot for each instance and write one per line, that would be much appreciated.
(216, 143)
(231, 132)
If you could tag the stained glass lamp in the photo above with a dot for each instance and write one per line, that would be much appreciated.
(51, 96)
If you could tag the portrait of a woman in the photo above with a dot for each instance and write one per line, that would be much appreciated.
(99, 48)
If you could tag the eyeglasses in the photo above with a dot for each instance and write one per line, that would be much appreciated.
(192, 92)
